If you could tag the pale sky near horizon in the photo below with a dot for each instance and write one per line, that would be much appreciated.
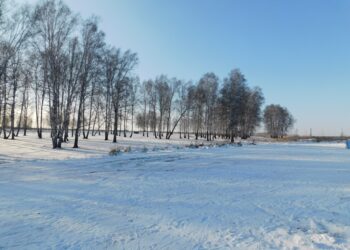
(296, 51)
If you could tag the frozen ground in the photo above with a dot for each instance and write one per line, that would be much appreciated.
(268, 196)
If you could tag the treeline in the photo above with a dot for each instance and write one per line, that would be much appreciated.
(204, 109)
(56, 70)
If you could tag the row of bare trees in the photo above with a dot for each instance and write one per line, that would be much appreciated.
(57, 72)
(15, 31)
(63, 64)
(204, 109)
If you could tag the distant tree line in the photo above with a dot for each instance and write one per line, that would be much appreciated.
(56, 70)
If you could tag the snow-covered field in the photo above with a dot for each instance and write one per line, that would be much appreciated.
(268, 196)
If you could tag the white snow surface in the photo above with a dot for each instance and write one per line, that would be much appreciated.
(267, 196)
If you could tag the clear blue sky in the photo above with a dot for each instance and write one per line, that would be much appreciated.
(297, 51)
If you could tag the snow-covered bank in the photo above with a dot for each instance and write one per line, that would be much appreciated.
(30, 147)
(269, 196)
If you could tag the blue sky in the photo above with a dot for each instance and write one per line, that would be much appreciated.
(297, 51)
